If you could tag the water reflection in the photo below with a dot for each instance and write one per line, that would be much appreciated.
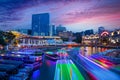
(87, 51)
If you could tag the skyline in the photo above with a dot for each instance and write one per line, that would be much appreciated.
(75, 15)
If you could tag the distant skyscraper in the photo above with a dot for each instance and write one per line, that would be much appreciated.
(53, 30)
(100, 30)
(60, 29)
(40, 24)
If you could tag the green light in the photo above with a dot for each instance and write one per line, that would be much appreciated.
(67, 71)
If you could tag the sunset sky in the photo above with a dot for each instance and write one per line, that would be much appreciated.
(75, 15)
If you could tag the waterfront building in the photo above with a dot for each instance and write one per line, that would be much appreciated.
(23, 40)
(106, 38)
(90, 39)
(40, 24)
(37, 41)
(115, 37)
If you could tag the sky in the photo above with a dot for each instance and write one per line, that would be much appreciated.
(75, 15)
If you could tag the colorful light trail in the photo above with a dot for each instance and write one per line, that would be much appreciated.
(66, 70)
(97, 70)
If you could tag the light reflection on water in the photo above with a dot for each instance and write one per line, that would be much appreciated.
(87, 51)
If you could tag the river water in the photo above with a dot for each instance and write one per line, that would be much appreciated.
(87, 51)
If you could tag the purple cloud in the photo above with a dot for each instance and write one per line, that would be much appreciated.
(19, 12)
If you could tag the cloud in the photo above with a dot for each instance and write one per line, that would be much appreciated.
(96, 11)
(66, 12)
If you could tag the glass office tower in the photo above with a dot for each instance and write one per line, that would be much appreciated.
(40, 24)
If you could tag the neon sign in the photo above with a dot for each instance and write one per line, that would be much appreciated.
(105, 33)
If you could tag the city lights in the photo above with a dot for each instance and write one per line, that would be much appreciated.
(59, 39)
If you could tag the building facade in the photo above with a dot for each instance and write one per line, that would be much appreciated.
(53, 30)
(105, 38)
(40, 24)
(90, 39)
(39, 41)
(59, 29)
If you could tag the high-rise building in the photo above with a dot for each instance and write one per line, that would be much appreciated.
(53, 30)
(59, 29)
(100, 30)
(40, 24)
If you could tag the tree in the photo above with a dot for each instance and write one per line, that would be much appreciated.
(6, 38)
(78, 37)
